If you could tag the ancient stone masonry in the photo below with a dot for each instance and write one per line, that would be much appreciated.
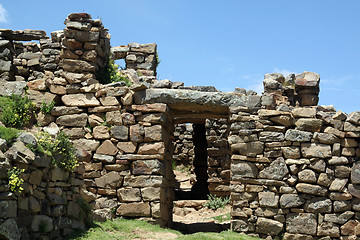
(291, 167)
(294, 171)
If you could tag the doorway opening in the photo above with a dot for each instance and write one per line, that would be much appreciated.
(199, 162)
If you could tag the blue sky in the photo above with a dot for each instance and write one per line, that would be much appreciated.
(228, 43)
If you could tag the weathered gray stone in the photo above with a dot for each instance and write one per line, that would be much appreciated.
(9, 230)
(103, 158)
(338, 184)
(8, 209)
(338, 160)
(301, 223)
(339, 218)
(74, 120)
(244, 169)
(326, 138)
(277, 170)
(195, 100)
(150, 193)
(109, 180)
(318, 205)
(355, 173)
(307, 175)
(291, 152)
(290, 201)
(43, 223)
(315, 150)
(354, 117)
(311, 189)
(249, 148)
(268, 226)
(298, 136)
(20, 153)
(267, 136)
(328, 229)
(268, 199)
(308, 124)
(120, 132)
(144, 167)
(143, 181)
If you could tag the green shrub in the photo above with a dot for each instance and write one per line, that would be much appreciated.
(215, 202)
(111, 74)
(59, 148)
(15, 181)
(16, 110)
(9, 134)
(46, 108)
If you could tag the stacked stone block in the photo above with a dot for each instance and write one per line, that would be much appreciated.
(142, 58)
(126, 149)
(48, 204)
(301, 90)
(86, 48)
(295, 172)
(183, 145)
(219, 156)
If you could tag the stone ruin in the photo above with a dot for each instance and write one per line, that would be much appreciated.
(289, 166)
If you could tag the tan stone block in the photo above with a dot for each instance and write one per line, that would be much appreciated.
(127, 147)
(107, 148)
(151, 148)
(129, 194)
(57, 89)
(101, 132)
(109, 101)
(141, 209)
(114, 118)
(109, 180)
(80, 100)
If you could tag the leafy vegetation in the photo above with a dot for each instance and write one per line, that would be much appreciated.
(15, 181)
(135, 229)
(46, 108)
(16, 111)
(59, 148)
(86, 211)
(215, 202)
(9, 134)
(111, 74)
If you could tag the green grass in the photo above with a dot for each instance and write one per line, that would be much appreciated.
(225, 235)
(135, 229)
(9, 134)
(222, 218)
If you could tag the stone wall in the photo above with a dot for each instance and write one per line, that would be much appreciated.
(292, 171)
(50, 203)
(295, 172)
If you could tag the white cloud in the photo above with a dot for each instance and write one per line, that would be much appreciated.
(284, 72)
(3, 14)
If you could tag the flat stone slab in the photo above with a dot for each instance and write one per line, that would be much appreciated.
(190, 100)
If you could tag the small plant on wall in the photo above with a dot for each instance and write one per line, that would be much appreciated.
(16, 110)
(111, 74)
(15, 181)
(59, 148)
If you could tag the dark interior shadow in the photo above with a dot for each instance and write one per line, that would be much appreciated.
(190, 228)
